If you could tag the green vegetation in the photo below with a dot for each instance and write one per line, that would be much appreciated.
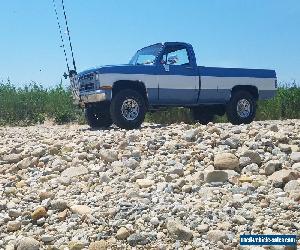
(34, 104)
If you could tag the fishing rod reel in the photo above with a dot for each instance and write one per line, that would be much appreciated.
(71, 74)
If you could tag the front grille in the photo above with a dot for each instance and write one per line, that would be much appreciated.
(87, 86)
(87, 82)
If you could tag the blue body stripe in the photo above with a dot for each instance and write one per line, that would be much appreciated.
(236, 72)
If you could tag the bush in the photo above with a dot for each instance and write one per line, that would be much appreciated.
(34, 103)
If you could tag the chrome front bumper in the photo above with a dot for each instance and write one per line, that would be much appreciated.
(94, 96)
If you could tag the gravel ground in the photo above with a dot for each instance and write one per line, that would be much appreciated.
(161, 187)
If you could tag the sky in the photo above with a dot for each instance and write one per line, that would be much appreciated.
(231, 33)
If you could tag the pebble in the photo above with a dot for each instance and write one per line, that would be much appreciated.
(28, 243)
(122, 233)
(178, 231)
(13, 226)
(226, 161)
(215, 176)
(39, 213)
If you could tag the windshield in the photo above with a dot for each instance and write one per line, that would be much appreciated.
(146, 56)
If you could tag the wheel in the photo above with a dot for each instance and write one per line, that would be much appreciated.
(128, 109)
(201, 115)
(241, 108)
(98, 115)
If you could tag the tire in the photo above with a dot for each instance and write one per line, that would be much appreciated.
(128, 109)
(98, 116)
(201, 115)
(241, 108)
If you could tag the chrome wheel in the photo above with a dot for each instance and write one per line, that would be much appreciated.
(243, 108)
(130, 109)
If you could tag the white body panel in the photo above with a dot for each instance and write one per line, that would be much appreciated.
(212, 82)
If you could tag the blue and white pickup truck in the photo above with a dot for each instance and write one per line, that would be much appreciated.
(166, 75)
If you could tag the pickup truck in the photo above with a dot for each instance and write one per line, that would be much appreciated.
(166, 75)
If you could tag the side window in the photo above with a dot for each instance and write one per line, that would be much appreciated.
(175, 56)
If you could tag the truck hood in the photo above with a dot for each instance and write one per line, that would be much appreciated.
(107, 69)
(121, 69)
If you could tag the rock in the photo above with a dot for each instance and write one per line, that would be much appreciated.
(38, 152)
(59, 204)
(232, 142)
(62, 215)
(253, 155)
(13, 226)
(251, 168)
(293, 185)
(245, 178)
(296, 167)
(98, 245)
(203, 228)
(131, 163)
(81, 209)
(285, 148)
(238, 219)
(190, 135)
(226, 161)
(104, 178)
(295, 156)
(74, 171)
(244, 161)
(281, 177)
(109, 155)
(28, 243)
(271, 167)
(216, 235)
(12, 158)
(75, 245)
(25, 163)
(186, 188)
(137, 239)
(144, 183)
(122, 233)
(215, 176)
(45, 195)
(154, 221)
(178, 231)
(47, 238)
(177, 169)
(21, 184)
(40, 212)
(274, 128)
(13, 213)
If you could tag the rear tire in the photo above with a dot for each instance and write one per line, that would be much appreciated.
(98, 115)
(128, 109)
(201, 115)
(241, 108)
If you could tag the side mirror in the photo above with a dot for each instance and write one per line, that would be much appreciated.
(173, 59)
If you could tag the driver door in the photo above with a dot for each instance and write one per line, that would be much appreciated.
(178, 79)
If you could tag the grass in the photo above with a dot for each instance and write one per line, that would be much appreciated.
(34, 104)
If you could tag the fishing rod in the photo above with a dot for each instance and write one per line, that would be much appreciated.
(71, 72)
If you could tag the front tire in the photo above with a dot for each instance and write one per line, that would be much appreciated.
(128, 109)
(98, 115)
(241, 108)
